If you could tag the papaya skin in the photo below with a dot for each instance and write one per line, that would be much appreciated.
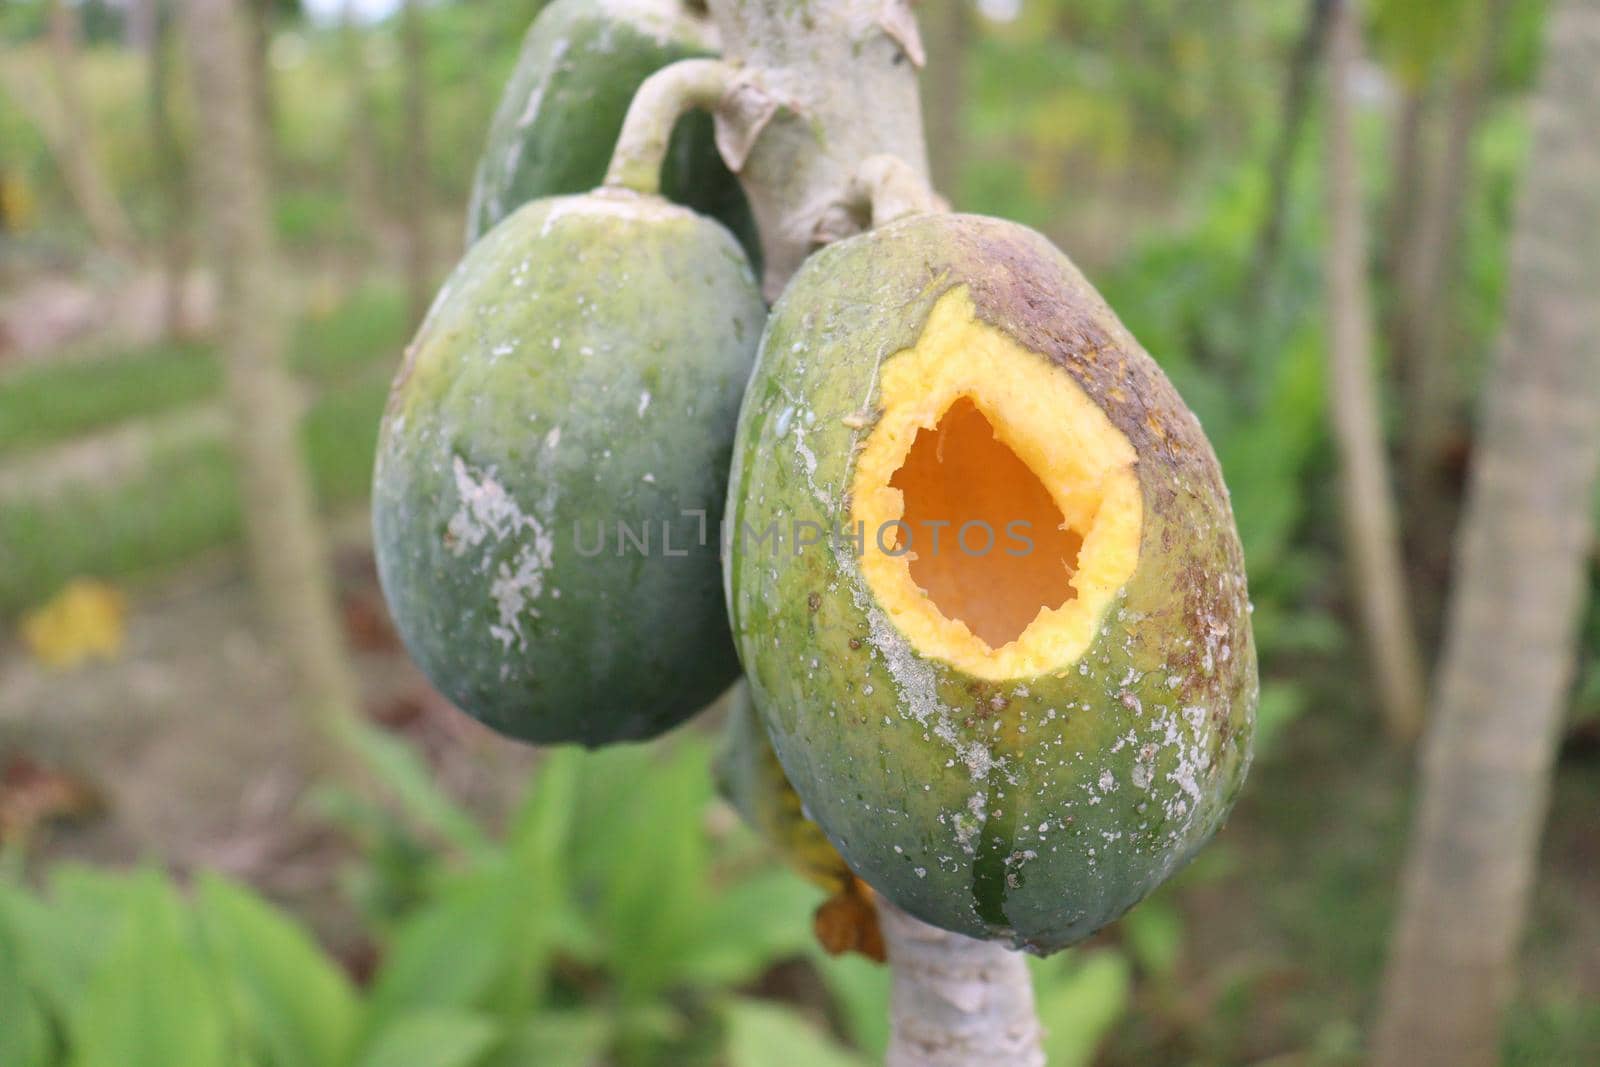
(557, 121)
(1036, 808)
(581, 369)
(750, 779)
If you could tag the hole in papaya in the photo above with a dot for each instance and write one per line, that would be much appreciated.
(1003, 553)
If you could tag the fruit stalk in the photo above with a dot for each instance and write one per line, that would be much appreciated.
(664, 97)
(823, 86)
(889, 188)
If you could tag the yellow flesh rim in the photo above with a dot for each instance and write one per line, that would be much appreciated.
(963, 381)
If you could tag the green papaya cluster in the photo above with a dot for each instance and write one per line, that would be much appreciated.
(977, 561)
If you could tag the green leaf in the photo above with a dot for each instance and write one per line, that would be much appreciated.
(447, 956)
(1153, 933)
(540, 830)
(1281, 703)
(1080, 998)
(300, 1003)
(431, 1039)
(557, 1039)
(150, 1003)
(860, 988)
(66, 937)
(397, 765)
(537, 863)
(759, 920)
(1422, 36)
(24, 1036)
(764, 1035)
(647, 805)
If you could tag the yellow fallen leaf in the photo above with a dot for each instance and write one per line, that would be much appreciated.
(17, 202)
(83, 621)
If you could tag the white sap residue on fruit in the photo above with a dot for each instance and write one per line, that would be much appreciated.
(615, 204)
(514, 586)
(489, 516)
(809, 458)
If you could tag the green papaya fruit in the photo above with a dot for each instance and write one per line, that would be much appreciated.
(551, 467)
(985, 583)
(559, 117)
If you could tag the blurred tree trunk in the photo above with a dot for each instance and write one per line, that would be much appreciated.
(1407, 152)
(947, 28)
(258, 21)
(172, 164)
(1280, 166)
(74, 147)
(363, 169)
(1515, 607)
(419, 283)
(1371, 542)
(139, 28)
(280, 523)
(1426, 268)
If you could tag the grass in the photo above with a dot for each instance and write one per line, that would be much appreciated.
(183, 504)
(53, 402)
(50, 403)
(369, 327)
(186, 501)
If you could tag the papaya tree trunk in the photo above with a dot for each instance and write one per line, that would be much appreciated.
(286, 555)
(826, 84)
(1514, 612)
(944, 90)
(1297, 99)
(1427, 268)
(822, 87)
(956, 1002)
(74, 147)
(171, 161)
(415, 153)
(1372, 542)
(363, 168)
(1405, 186)
(258, 16)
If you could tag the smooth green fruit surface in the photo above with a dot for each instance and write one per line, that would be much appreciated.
(558, 119)
(1024, 783)
(551, 468)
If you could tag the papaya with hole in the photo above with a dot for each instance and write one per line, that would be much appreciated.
(986, 584)
(552, 464)
(562, 109)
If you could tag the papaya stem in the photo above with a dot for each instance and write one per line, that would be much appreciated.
(824, 116)
(823, 85)
(956, 1002)
(663, 98)
(890, 189)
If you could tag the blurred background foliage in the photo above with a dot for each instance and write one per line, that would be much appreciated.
(616, 912)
